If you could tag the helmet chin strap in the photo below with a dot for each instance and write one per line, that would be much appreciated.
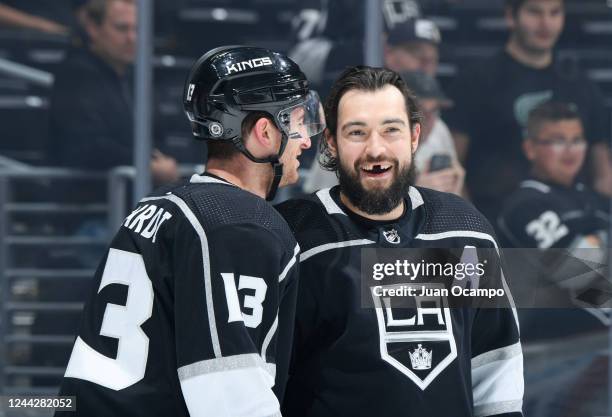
(274, 160)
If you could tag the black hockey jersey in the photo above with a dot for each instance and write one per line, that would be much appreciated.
(192, 309)
(355, 361)
(545, 215)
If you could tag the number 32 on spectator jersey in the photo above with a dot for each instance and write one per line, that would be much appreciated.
(546, 229)
(123, 322)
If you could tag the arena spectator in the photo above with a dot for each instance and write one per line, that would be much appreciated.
(494, 97)
(551, 209)
(413, 45)
(91, 124)
(436, 161)
(555, 146)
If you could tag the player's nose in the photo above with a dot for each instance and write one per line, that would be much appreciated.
(375, 146)
(306, 142)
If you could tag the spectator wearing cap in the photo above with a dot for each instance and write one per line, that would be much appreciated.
(413, 46)
(436, 160)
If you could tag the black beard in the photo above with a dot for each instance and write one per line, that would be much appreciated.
(377, 201)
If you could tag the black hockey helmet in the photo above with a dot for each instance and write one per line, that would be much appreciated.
(228, 83)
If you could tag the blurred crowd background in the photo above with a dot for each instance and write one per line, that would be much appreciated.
(479, 67)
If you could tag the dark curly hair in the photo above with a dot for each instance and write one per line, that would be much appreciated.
(367, 79)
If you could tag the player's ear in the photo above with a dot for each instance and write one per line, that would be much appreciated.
(331, 143)
(416, 136)
(263, 132)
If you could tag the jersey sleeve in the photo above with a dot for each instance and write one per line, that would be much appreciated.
(230, 285)
(497, 358)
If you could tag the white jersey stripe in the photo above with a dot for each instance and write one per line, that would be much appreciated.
(458, 233)
(498, 386)
(328, 202)
(416, 199)
(283, 274)
(237, 392)
(228, 363)
(205, 179)
(268, 338)
(502, 353)
(536, 185)
(335, 245)
(214, 336)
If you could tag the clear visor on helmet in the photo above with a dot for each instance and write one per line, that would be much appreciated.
(303, 120)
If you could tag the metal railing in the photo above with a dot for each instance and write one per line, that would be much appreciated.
(30, 209)
(43, 245)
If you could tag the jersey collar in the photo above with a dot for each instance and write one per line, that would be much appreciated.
(546, 187)
(208, 178)
(393, 233)
(333, 205)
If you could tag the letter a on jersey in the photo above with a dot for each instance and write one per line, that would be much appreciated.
(417, 341)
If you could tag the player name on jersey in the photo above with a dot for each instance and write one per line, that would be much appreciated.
(146, 220)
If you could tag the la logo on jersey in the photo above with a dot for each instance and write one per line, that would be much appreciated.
(417, 340)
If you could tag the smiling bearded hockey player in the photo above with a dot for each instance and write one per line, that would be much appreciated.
(354, 361)
(192, 308)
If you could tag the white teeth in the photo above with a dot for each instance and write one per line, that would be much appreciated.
(372, 166)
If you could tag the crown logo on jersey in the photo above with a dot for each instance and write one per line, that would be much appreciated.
(420, 358)
(392, 236)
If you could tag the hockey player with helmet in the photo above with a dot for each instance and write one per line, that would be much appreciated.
(183, 320)
(350, 360)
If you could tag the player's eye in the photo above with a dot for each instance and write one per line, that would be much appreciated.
(392, 130)
(356, 133)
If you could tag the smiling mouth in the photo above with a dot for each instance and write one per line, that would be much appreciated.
(376, 169)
